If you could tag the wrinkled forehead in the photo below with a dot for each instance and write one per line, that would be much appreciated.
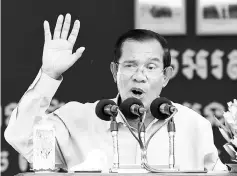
(141, 51)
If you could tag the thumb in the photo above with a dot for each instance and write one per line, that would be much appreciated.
(78, 53)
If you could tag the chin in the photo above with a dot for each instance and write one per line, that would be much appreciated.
(146, 105)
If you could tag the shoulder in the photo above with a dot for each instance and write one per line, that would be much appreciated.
(188, 115)
(76, 109)
(77, 106)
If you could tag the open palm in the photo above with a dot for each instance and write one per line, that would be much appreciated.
(57, 54)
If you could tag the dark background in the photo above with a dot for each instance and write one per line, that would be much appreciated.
(90, 79)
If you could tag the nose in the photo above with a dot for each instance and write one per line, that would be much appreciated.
(139, 76)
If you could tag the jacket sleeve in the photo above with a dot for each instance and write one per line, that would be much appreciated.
(35, 101)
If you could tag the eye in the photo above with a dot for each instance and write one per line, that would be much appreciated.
(151, 66)
(129, 65)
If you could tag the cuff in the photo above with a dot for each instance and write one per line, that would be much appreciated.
(46, 85)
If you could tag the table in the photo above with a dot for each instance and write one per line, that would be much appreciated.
(128, 174)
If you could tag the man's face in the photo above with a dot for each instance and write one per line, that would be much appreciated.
(140, 71)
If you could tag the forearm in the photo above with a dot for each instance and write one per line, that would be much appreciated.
(32, 105)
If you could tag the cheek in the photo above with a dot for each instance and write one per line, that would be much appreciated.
(122, 83)
(155, 88)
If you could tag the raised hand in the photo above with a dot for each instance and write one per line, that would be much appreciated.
(57, 54)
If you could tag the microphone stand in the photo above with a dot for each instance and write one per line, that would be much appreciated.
(141, 135)
(114, 132)
(171, 131)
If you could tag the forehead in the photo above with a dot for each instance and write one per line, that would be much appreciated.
(141, 50)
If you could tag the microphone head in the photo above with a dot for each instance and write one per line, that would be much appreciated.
(155, 107)
(99, 109)
(126, 105)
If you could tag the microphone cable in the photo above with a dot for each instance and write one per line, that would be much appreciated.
(165, 122)
(130, 129)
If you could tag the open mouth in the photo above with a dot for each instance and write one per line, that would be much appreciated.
(137, 92)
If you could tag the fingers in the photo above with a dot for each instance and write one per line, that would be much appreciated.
(65, 29)
(47, 33)
(73, 36)
(58, 27)
(66, 26)
(78, 53)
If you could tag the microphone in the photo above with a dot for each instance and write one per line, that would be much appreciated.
(105, 109)
(161, 108)
(132, 108)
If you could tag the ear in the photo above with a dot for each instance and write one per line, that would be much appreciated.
(113, 69)
(168, 72)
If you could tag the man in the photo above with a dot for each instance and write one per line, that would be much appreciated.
(141, 68)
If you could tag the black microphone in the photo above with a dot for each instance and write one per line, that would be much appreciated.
(105, 109)
(161, 108)
(132, 108)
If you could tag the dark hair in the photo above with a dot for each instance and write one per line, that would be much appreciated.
(142, 35)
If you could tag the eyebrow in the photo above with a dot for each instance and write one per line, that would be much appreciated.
(155, 59)
(151, 59)
(130, 61)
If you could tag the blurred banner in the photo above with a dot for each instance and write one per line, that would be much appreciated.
(205, 76)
